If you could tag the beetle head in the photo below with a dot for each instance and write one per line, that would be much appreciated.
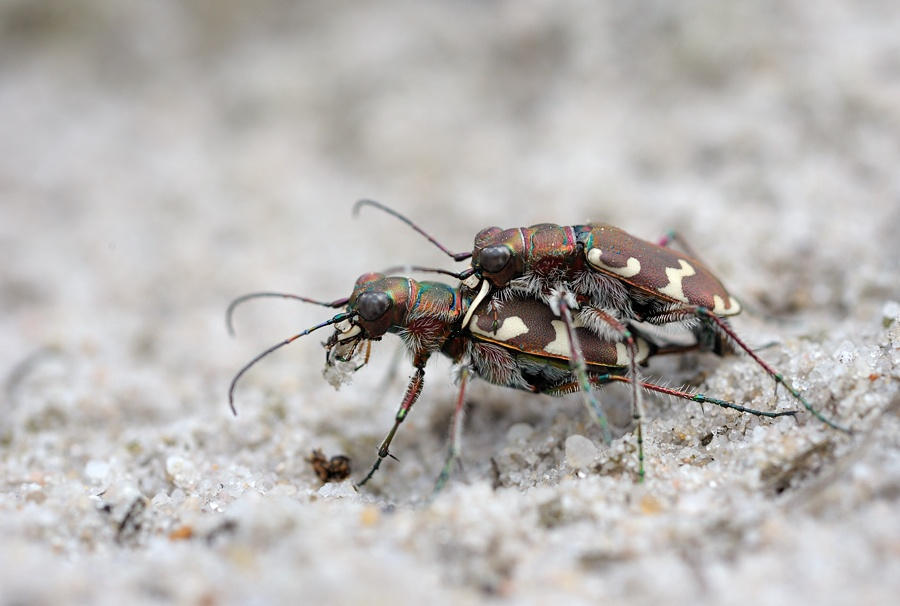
(377, 305)
(498, 255)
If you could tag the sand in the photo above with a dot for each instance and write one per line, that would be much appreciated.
(158, 160)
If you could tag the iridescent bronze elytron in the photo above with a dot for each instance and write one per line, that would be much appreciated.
(609, 279)
(521, 344)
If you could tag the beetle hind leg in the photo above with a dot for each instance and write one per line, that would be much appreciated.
(598, 380)
(701, 398)
(720, 325)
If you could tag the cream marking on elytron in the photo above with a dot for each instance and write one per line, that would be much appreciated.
(623, 358)
(632, 266)
(509, 329)
(675, 276)
(720, 309)
(560, 345)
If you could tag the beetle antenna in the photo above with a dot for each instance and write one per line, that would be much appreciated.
(461, 256)
(432, 270)
(258, 295)
(246, 367)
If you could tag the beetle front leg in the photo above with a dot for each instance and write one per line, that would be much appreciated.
(412, 394)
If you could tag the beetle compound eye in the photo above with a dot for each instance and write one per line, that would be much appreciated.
(373, 305)
(495, 258)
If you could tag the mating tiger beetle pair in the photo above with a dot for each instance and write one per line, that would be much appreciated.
(546, 309)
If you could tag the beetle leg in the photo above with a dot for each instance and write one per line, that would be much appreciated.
(624, 334)
(627, 336)
(599, 380)
(705, 314)
(456, 426)
(673, 236)
(412, 394)
(579, 367)
(494, 310)
(777, 376)
(368, 353)
(698, 397)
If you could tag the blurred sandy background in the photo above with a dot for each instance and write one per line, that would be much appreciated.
(159, 158)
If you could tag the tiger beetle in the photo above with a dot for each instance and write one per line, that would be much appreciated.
(612, 279)
(521, 345)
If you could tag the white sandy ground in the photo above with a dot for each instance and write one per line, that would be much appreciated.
(158, 159)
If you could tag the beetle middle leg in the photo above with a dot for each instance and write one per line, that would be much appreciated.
(597, 320)
(673, 236)
(563, 303)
